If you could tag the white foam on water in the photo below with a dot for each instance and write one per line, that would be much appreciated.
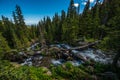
(97, 56)
(56, 62)
(75, 51)
(75, 63)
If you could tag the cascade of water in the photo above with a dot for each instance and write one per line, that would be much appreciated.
(96, 55)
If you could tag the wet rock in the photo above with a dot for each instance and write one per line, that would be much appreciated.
(29, 53)
(45, 61)
(65, 55)
(36, 60)
(80, 56)
(38, 52)
(14, 56)
(69, 58)
(33, 60)
(54, 50)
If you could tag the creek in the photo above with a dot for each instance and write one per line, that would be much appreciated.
(87, 54)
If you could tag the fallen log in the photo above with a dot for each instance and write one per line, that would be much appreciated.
(85, 46)
(79, 56)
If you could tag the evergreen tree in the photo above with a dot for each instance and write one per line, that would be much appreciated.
(96, 21)
(56, 27)
(86, 22)
(113, 23)
(3, 46)
(19, 16)
(15, 18)
(103, 14)
(71, 10)
(9, 33)
(86, 8)
(63, 16)
(21, 28)
(43, 33)
(49, 30)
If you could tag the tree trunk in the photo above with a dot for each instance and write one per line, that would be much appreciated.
(116, 58)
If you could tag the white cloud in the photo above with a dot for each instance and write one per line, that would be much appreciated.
(91, 1)
(32, 20)
(29, 22)
(84, 3)
(76, 4)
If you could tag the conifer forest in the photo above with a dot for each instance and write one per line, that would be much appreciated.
(69, 46)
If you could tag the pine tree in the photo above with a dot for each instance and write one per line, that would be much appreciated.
(56, 27)
(114, 29)
(15, 18)
(49, 30)
(43, 33)
(96, 20)
(21, 28)
(86, 8)
(9, 33)
(19, 16)
(104, 9)
(71, 10)
(3, 46)
(63, 16)
(86, 22)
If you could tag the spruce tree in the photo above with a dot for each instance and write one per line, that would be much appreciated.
(15, 18)
(19, 16)
(3, 46)
(21, 28)
(71, 10)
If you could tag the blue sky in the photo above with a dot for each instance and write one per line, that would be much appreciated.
(35, 10)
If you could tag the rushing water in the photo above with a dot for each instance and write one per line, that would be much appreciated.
(62, 61)
(96, 55)
(32, 47)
